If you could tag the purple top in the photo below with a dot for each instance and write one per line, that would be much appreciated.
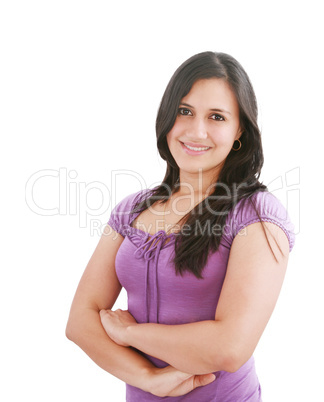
(156, 294)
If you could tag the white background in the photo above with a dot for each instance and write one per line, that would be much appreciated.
(81, 82)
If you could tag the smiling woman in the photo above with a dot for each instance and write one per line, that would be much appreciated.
(202, 256)
(200, 129)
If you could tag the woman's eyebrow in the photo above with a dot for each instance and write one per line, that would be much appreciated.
(213, 110)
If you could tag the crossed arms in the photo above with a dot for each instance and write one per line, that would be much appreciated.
(249, 294)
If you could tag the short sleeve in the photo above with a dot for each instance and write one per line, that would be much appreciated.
(122, 214)
(262, 206)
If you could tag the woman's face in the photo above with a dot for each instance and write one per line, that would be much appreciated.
(206, 127)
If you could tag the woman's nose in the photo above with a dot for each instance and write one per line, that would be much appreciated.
(198, 129)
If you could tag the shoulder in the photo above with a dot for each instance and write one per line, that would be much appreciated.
(261, 206)
(127, 204)
(123, 211)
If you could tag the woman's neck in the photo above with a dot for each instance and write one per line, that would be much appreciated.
(197, 185)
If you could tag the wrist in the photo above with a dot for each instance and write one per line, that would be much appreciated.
(129, 334)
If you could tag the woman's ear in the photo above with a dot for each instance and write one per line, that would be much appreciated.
(239, 133)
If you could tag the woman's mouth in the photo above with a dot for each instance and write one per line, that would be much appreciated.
(194, 149)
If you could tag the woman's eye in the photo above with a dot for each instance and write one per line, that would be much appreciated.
(217, 117)
(184, 112)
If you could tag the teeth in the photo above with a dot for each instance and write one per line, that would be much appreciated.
(196, 149)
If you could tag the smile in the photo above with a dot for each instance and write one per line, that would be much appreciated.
(194, 150)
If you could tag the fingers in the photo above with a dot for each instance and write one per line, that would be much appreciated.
(201, 380)
(102, 313)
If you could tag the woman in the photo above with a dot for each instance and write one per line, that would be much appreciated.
(202, 256)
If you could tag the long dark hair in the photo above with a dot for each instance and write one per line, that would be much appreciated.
(240, 172)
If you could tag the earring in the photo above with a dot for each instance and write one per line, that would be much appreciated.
(239, 147)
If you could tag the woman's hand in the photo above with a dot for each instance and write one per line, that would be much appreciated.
(161, 382)
(169, 381)
(116, 323)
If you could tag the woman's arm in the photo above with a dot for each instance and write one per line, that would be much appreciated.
(249, 294)
(98, 289)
